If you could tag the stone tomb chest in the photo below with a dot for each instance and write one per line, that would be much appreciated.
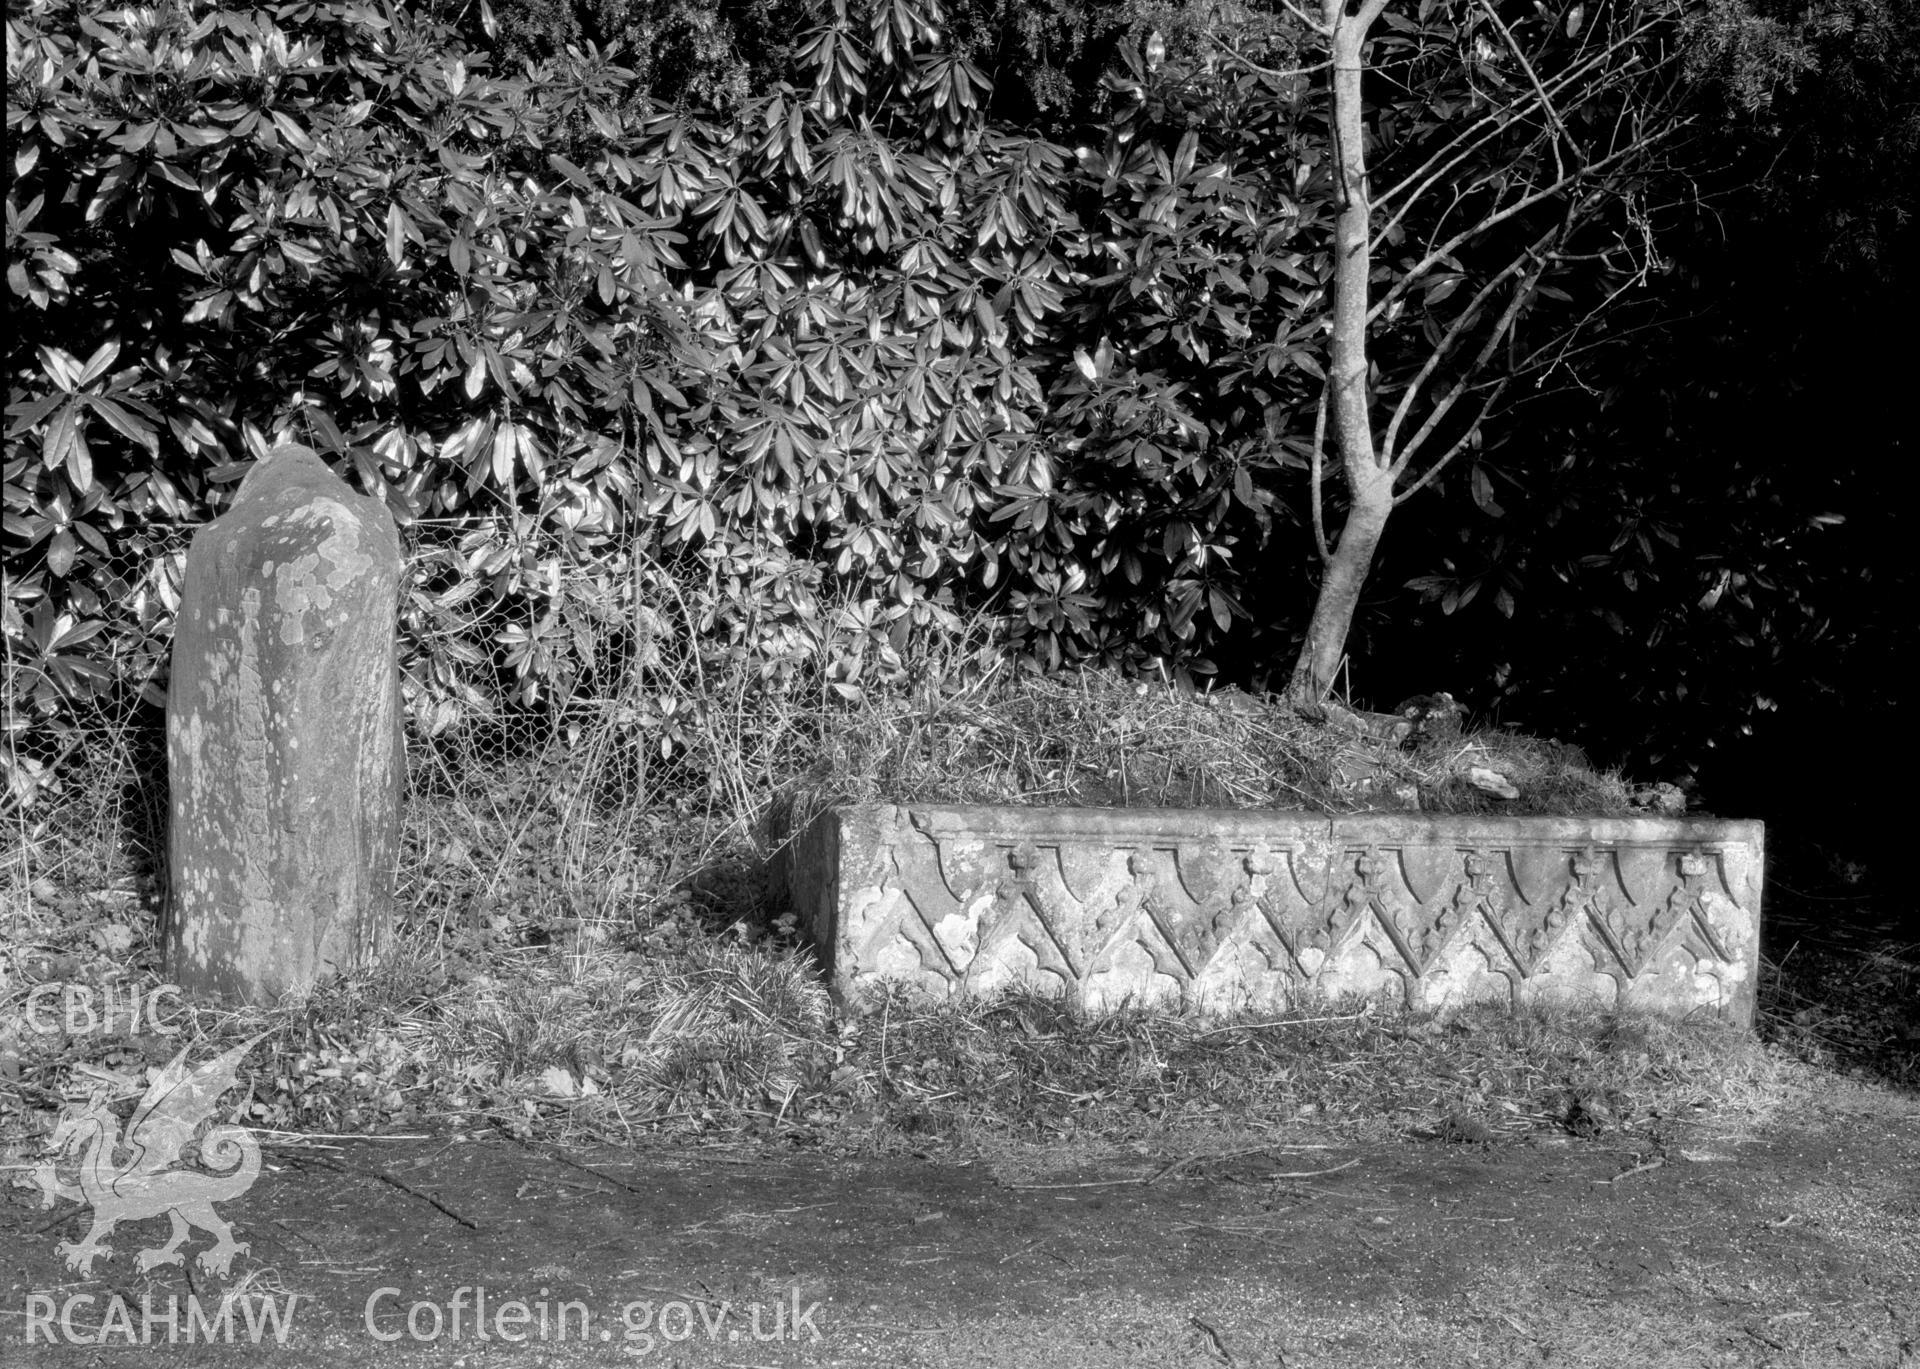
(1223, 910)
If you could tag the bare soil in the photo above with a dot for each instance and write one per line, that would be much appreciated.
(1794, 1243)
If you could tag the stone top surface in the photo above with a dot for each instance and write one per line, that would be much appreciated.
(1231, 823)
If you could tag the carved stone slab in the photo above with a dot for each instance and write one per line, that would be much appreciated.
(284, 752)
(1219, 910)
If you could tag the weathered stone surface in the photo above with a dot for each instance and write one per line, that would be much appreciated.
(283, 737)
(1217, 910)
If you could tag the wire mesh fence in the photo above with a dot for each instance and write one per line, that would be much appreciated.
(548, 703)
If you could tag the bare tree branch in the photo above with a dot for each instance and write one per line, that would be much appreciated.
(1546, 101)
(1435, 170)
(1521, 290)
(1412, 275)
(1446, 457)
(1441, 350)
(1269, 72)
(1312, 24)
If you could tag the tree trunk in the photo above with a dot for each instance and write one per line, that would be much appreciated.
(1369, 480)
(1341, 581)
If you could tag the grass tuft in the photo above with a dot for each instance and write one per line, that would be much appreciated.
(1096, 738)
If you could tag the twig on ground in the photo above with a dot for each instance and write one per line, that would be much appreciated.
(396, 1182)
(54, 1221)
(1654, 1163)
(547, 1153)
(1315, 1173)
(272, 1136)
(1218, 1341)
(1279, 1022)
(1175, 1166)
(1024, 1249)
(1200, 1159)
(1515, 1324)
(675, 1293)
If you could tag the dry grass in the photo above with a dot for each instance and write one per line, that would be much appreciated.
(584, 954)
(720, 1038)
(1094, 738)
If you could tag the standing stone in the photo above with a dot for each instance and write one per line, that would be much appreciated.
(284, 749)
